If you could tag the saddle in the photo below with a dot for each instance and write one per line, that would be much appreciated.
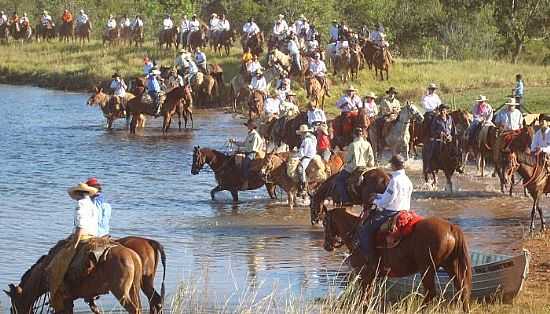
(315, 172)
(396, 228)
(88, 256)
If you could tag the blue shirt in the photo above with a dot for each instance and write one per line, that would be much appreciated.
(104, 211)
(519, 89)
(152, 84)
(441, 126)
(193, 69)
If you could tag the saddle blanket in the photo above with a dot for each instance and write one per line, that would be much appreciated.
(396, 228)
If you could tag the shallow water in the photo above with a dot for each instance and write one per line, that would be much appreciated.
(51, 140)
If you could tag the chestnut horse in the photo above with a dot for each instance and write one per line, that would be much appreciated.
(315, 91)
(228, 174)
(136, 36)
(256, 105)
(176, 103)
(110, 107)
(433, 243)
(66, 31)
(83, 31)
(274, 170)
(120, 273)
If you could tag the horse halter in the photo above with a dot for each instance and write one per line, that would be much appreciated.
(199, 159)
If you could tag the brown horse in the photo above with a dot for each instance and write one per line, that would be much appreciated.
(126, 34)
(369, 48)
(197, 39)
(120, 273)
(111, 36)
(66, 31)
(285, 132)
(342, 65)
(177, 103)
(45, 32)
(254, 42)
(481, 147)
(111, 107)
(4, 32)
(274, 169)
(342, 127)
(168, 37)
(224, 41)
(256, 105)
(205, 89)
(433, 243)
(382, 62)
(136, 36)
(228, 173)
(315, 91)
(22, 33)
(83, 31)
(356, 61)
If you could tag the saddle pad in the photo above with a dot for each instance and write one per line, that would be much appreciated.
(396, 228)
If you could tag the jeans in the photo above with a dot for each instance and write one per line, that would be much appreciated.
(156, 100)
(247, 161)
(341, 186)
(367, 233)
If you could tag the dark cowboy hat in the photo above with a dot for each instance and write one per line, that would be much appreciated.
(544, 117)
(443, 106)
(115, 75)
(397, 161)
(250, 124)
(392, 90)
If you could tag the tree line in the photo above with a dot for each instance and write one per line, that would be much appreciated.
(457, 29)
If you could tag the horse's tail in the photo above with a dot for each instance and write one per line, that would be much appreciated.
(159, 248)
(464, 264)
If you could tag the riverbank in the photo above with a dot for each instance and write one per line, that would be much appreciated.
(71, 67)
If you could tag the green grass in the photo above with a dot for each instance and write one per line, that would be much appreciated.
(74, 67)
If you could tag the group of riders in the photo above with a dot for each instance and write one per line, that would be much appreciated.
(46, 21)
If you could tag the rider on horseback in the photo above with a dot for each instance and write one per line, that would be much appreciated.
(359, 155)
(118, 86)
(67, 16)
(483, 115)
(348, 105)
(81, 19)
(389, 109)
(323, 142)
(24, 20)
(396, 198)
(308, 150)
(153, 89)
(125, 22)
(280, 29)
(294, 52)
(272, 107)
(3, 18)
(369, 106)
(103, 208)
(46, 19)
(541, 140)
(258, 83)
(442, 131)
(214, 27)
(167, 23)
(430, 102)
(250, 28)
(200, 59)
(318, 69)
(251, 146)
(315, 116)
(184, 30)
(282, 87)
(194, 26)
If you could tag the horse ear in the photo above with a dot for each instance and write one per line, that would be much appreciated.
(96, 89)
(7, 292)
(101, 90)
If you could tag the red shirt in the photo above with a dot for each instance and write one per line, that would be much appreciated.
(323, 142)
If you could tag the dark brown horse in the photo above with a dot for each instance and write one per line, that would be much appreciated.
(178, 103)
(254, 42)
(4, 32)
(284, 130)
(342, 127)
(168, 38)
(119, 273)
(369, 48)
(382, 62)
(224, 41)
(136, 36)
(228, 174)
(83, 31)
(433, 243)
(45, 32)
(198, 38)
(66, 31)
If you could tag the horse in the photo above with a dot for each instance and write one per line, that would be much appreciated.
(448, 158)
(274, 169)
(433, 243)
(111, 107)
(369, 48)
(126, 34)
(45, 32)
(342, 127)
(66, 31)
(355, 62)
(225, 40)
(179, 102)
(256, 105)
(4, 32)
(382, 62)
(398, 137)
(481, 147)
(205, 88)
(119, 272)
(228, 173)
(254, 42)
(286, 132)
(83, 31)
(23, 32)
(112, 36)
(315, 91)
(197, 38)
(342, 64)
(168, 37)
(136, 36)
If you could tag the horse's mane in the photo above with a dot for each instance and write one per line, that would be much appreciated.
(27, 274)
(523, 140)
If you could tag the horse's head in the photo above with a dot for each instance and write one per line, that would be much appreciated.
(462, 120)
(271, 162)
(199, 159)
(15, 293)
(317, 209)
(409, 112)
(332, 238)
(98, 98)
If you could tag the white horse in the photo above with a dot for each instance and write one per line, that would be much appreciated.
(399, 136)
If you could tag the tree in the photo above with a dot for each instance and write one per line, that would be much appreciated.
(521, 20)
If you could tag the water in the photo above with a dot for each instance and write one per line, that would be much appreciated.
(51, 140)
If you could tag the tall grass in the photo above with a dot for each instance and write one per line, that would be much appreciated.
(71, 66)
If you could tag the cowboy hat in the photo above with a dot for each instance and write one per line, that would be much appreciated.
(392, 90)
(259, 72)
(154, 71)
(432, 86)
(81, 187)
(370, 95)
(323, 128)
(511, 102)
(250, 124)
(81, 11)
(397, 161)
(213, 14)
(481, 98)
(303, 129)
(443, 106)
(302, 16)
(281, 16)
(115, 75)
(183, 50)
(351, 88)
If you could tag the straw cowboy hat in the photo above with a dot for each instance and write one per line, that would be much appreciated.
(432, 86)
(351, 88)
(323, 128)
(481, 98)
(281, 16)
(511, 102)
(370, 95)
(214, 15)
(259, 72)
(81, 187)
(304, 129)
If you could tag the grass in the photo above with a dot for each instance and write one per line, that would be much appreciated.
(74, 67)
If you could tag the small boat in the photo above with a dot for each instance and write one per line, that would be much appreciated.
(494, 278)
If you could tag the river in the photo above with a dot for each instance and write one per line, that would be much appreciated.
(51, 140)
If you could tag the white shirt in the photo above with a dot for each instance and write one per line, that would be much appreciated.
(511, 120)
(258, 84)
(253, 66)
(167, 23)
(86, 216)
(118, 87)
(308, 147)
(371, 109)
(251, 28)
(272, 106)
(224, 25)
(341, 44)
(184, 26)
(397, 195)
(3, 19)
(348, 104)
(82, 19)
(194, 25)
(431, 102)
(25, 19)
(542, 141)
(111, 24)
(312, 45)
(125, 23)
(289, 109)
(137, 23)
(293, 48)
(316, 115)
(280, 27)
(215, 24)
(45, 19)
(317, 67)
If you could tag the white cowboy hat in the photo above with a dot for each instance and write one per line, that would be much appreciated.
(481, 98)
(302, 16)
(511, 102)
(370, 95)
(303, 129)
(81, 187)
(155, 72)
(81, 11)
(214, 14)
(259, 72)
(44, 12)
(281, 16)
(432, 86)
(351, 88)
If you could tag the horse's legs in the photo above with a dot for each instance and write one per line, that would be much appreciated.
(148, 288)
(191, 116)
(542, 227)
(532, 225)
(271, 190)
(133, 124)
(215, 190)
(291, 199)
(235, 195)
(448, 176)
(179, 120)
(109, 123)
(428, 282)
(93, 307)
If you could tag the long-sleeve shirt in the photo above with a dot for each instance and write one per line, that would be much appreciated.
(431, 102)
(194, 25)
(280, 27)
(482, 112)
(215, 24)
(397, 195)
(137, 23)
(153, 84)
(254, 66)
(371, 109)
(258, 84)
(293, 48)
(323, 142)
(104, 215)
(147, 67)
(119, 87)
(317, 68)
(389, 106)
(111, 24)
(316, 115)
(200, 58)
(308, 147)
(250, 28)
(3, 19)
(333, 32)
(86, 216)
(542, 141)
(518, 91)
(348, 104)
(82, 19)
(509, 120)
(184, 25)
(252, 143)
(67, 17)
(167, 24)
(272, 106)
(441, 127)
(359, 154)
(224, 25)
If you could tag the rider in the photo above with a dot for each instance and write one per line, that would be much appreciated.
(153, 89)
(45, 20)
(510, 119)
(396, 197)
(272, 107)
(518, 90)
(483, 114)
(294, 52)
(181, 60)
(323, 142)
(282, 86)
(334, 31)
(377, 36)
(224, 24)
(67, 16)
(147, 65)
(200, 59)
(389, 109)
(431, 102)
(359, 154)
(81, 19)
(167, 23)
(104, 208)
(312, 46)
(258, 83)
(184, 30)
(442, 130)
(254, 66)
(137, 23)
(191, 70)
(250, 28)
(252, 145)
(280, 28)
(288, 106)
(308, 150)
(541, 141)
(315, 116)
(111, 25)
(370, 107)
(118, 86)
(125, 22)
(194, 26)
(3, 18)
(349, 102)
(24, 20)
(318, 69)
(214, 27)
(174, 80)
